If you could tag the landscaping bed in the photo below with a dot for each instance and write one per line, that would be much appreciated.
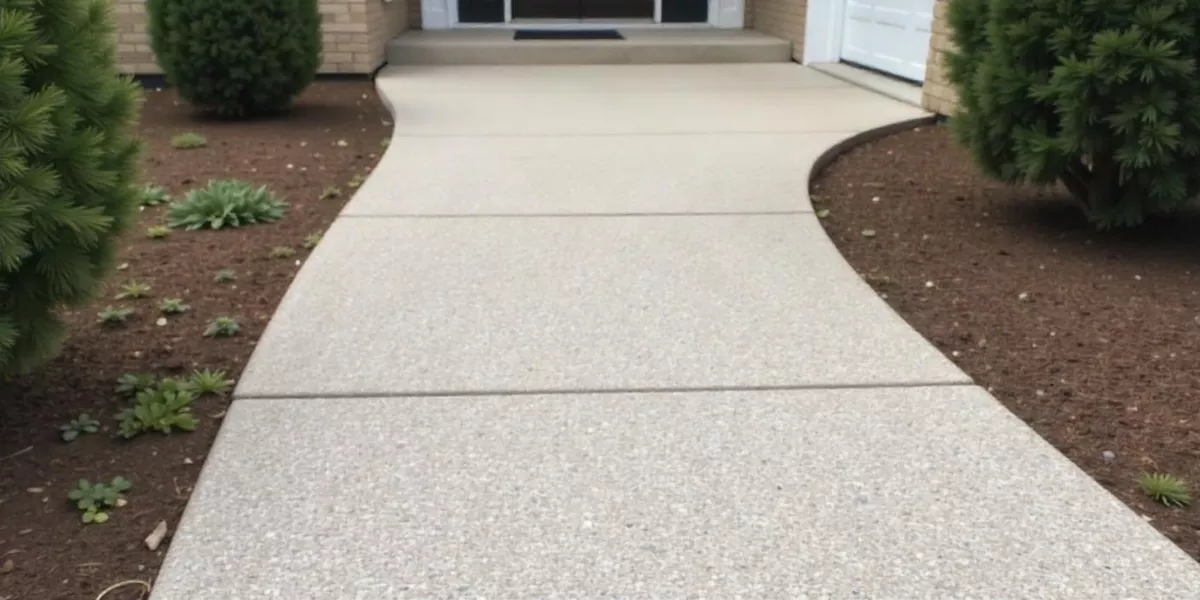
(330, 140)
(1091, 338)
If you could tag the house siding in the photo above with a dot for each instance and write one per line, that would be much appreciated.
(938, 95)
(781, 18)
(354, 33)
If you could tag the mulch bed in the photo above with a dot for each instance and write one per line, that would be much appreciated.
(1101, 354)
(334, 134)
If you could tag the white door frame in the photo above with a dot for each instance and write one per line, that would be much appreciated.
(722, 14)
(823, 31)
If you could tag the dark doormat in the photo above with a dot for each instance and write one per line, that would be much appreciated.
(568, 34)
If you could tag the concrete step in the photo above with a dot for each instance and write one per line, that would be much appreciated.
(640, 46)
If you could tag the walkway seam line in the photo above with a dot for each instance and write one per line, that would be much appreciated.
(762, 213)
(602, 391)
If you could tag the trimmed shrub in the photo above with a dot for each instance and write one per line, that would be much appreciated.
(1098, 95)
(237, 58)
(68, 167)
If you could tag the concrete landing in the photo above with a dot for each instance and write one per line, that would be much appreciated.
(580, 335)
(640, 46)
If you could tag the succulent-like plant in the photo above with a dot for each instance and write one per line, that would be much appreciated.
(331, 192)
(172, 306)
(95, 499)
(356, 181)
(222, 327)
(153, 195)
(164, 407)
(114, 316)
(282, 252)
(311, 240)
(134, 290)
(129, 384)
(78, 426)
(188, 141)
(1165, 489)
(158, 232)
(225, 276)
(226, 203)
(208, 382)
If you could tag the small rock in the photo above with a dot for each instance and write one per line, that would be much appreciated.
(161, 321)
(1039, 393)
(1024, 297)
(929, 284)
(25, 531)
(824, 214)
(35, 490)
(1108, 455)
(342, 143)
(875, 199)
(137, 353)
(955, 353)
(154, 540)
(291, 166)
(868, 233)
(187, 461)
(121, 502)
(122, 266)
(303, 144)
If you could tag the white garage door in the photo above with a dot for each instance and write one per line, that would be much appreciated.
(889, 35)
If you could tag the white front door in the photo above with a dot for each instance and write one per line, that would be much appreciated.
(889, 35)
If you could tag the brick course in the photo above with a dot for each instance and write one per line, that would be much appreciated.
(782, 19)
(938, 96)
(353, 31)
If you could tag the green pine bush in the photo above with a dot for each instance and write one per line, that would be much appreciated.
(1100, 95)
(237, 58)
(68, 166)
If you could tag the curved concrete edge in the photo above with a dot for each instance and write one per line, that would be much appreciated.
(871, 135)
(858, 139)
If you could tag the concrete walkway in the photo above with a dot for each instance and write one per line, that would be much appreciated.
(581, 336)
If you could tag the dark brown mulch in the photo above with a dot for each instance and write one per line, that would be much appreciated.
(1103, 355)
(333, 134)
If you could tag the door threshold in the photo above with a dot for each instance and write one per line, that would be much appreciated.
(587, 24)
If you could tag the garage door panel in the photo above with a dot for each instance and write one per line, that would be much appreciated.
(889, 35)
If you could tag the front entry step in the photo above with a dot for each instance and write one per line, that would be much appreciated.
(640, 46)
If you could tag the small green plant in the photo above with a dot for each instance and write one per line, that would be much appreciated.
(356, 181)
(163, 407)
(227, 203)
(282, 252)
(311, 240)
(130, 384)
(134, 290)
(158, 232)
(208, 382)
(115, 316)
(331, 192)
(225, 276)
(188, 141)
(153, 195)
(222, 327)
(1165, 489)
(172, 306)
(78, 426)
(94, 499)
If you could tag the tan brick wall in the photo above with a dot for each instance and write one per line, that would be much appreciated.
(354, 34)
(938, 96)
(782, 19)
